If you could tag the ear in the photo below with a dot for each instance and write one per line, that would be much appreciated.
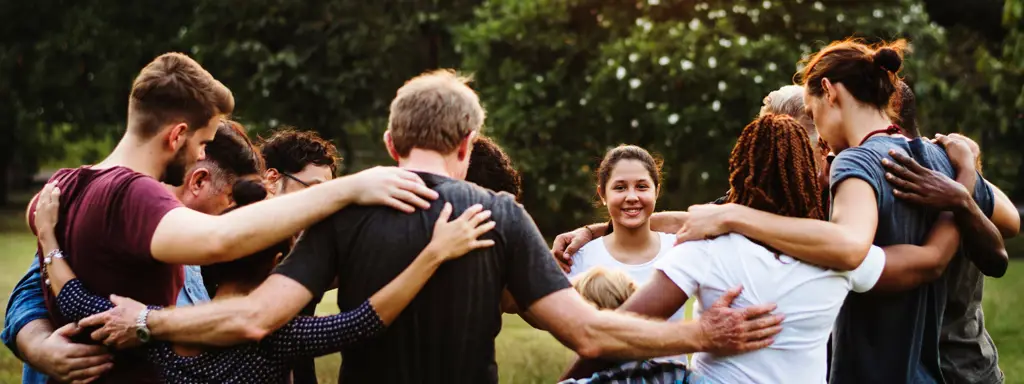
(177, 136)
(390, 145)
(197, 180)
(466, 146)
(830, 91)
(271, 175)
(600, 195)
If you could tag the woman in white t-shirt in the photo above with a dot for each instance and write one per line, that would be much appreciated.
(771, 169)
(627, 183)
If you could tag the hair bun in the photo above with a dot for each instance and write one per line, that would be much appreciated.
(246, 192)
(888, 59)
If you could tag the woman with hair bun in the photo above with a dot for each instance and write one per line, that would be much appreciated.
(893, 338)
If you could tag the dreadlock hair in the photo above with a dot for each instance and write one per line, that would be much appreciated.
(772, 169)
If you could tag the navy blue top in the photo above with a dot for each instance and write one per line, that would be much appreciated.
(893, 338)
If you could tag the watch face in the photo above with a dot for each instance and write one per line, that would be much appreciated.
(142, 334)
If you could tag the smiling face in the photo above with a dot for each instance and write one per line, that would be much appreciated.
(630, 194)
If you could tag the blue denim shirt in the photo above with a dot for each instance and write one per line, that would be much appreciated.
(194, 291)
(26, 305)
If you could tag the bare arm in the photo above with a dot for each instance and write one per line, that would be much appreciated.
(908, 266)
(1005, 215)
(660, 299)
(841, 243)
(668, 221)
(566, 244)
(185, 236)
(612, 335)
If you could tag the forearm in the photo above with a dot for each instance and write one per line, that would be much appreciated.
(76, 303)
(1005, 215)
(908, 266)
(598, 229)
(31, 335)
(58, 271)
(246, 230)
(668, 222)
(814, 241)
(620, 336)
(983, 241)
(396, 295)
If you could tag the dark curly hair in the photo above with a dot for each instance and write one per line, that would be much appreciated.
(233, 152)
(491, 168)
(290, 150)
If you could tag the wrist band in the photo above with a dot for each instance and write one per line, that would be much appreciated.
(592, 235)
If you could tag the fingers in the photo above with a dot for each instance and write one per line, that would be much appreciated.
(574, 246)
(764, 333)
(561, 242)
(84, 364)
(399, 205)
(86, 350)
(68, 330)
(470, 213)
(408, 175)
(911, 165)
(763, 322)
(482, 244)
(98, 319)
(755, 345)
(482, 229)
(757, 311)
(909, 197)
(727, 298)
(91, 372)
(900, 183)
(46, 192)
(101, 335)
(446, 213)
(419, 189)
(410, 196)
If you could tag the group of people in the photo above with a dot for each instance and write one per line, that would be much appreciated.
(192, 254)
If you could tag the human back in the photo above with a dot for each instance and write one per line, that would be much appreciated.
(809, 295)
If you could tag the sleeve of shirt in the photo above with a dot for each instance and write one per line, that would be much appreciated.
(307, 336)
(864, 277)
(313, 260)
(687, 265)
(77, 303)
(25, 306)
(860, 163)
(984, 196)
(531, 272)
(143, 204)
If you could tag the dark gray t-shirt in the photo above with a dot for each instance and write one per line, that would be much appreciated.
(892, 337)
(446, 335)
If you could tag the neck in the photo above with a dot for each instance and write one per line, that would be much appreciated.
(137, 155)
(426, 161)
(861, 121)
(638, 238)
(229, 289)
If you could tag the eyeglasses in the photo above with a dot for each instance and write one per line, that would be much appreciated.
(297, 180)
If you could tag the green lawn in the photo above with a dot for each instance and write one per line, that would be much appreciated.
(526, 355)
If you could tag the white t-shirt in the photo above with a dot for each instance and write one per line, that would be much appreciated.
(595, 254)
(808, 295)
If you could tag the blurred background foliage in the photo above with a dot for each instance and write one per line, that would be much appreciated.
(563, 80)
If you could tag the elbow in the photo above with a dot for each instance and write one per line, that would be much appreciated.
(588, 350)
(1000, 263)
(851, 254)
(584, 341)
(248, 325)
(216, 250)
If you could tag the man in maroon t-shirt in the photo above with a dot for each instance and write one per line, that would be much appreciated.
(123, 232)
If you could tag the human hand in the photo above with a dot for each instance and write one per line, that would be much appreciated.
(919, 185)
(964, 154)
(65, 361)
(706, 221)
(392, 187)
(455, 238)
(47, 209)
(117, 327)
(729, 331)
(567, 244)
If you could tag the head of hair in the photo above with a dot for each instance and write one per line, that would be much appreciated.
(172, 89)
(627, 152)
(434, 111)
(232, 152)
(788, 100)
(491, 168)
(289, 150)
(869, 72)
(253, 269)
(906, 108)
(605, 288)
(772, 169)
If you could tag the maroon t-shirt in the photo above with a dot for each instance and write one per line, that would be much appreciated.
(107, 220)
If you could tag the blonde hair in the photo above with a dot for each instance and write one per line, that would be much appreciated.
(605, 288)
(434, 111)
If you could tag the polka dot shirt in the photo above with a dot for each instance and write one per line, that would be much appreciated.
(267, 361)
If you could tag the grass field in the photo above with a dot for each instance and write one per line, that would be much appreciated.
(526, 355)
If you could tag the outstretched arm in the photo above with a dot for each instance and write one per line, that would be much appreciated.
(566, 244)
(184, 236)
(841, 244)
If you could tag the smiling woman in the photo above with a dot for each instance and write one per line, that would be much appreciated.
(628, 182)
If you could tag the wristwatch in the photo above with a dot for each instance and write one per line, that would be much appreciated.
(141, 330)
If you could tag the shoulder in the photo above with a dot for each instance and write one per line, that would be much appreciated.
(668, 240)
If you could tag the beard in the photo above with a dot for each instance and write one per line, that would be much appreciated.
(174, 172)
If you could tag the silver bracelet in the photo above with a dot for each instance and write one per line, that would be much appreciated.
(54, 254)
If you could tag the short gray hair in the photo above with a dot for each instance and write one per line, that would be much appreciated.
(788, 100)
